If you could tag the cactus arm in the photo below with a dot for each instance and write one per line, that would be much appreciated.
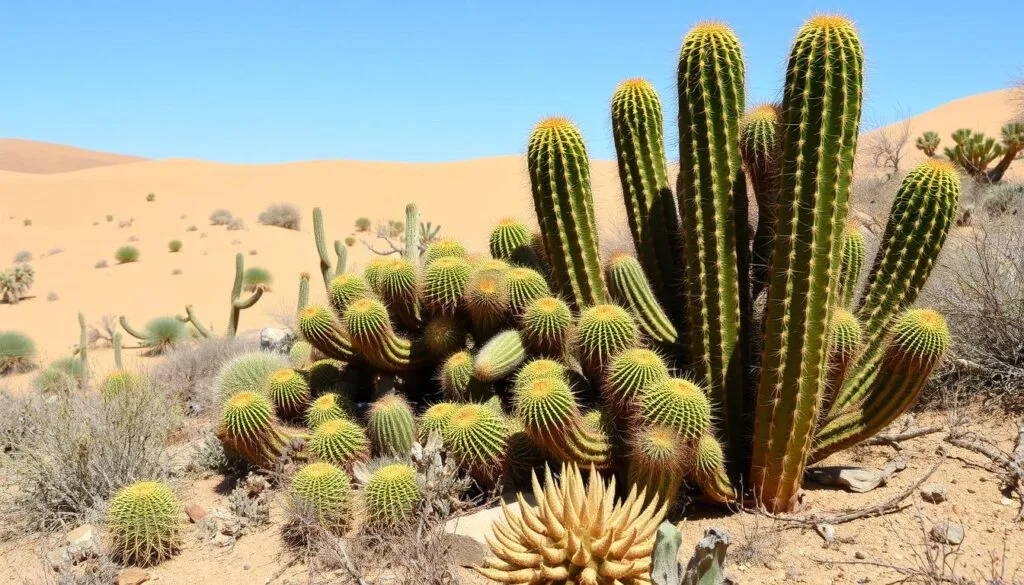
(711, 101)
(238, 304)
(342, 253)
(190, 317)
(412, 233)
(821, 115)
(303, 291)
(117, 351)
(250, 301)
(321, 246)
(759, 145)
(851, 263)
(560, 179)
(628, 285)
(83, 347)
(131, 330)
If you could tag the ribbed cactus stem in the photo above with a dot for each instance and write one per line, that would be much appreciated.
(851, 264)
(713, 207)
(368, 326)
(321, 246)
(708, 471)
(83, 349)
(342, 252)
(629, 286)
(303, 299)
(499, 357)
(658, 460)
(117, 351)
(238, 304)
(759, 145)
(552, 420)
(845, 336)
(319, 326)
(564, 202)
(918, 341)
(918, 224)
(650, 206)
(412, 234)
(820, 120)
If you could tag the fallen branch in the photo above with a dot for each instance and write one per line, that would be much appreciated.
(895, 438)
(1012, 465)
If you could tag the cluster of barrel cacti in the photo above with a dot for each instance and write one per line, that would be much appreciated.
(717, 356)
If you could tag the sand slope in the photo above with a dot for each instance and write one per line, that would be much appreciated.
(68, 211)
(29, 156)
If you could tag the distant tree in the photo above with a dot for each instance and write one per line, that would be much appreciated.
(974, 152)
(928, 143)
(887, 146)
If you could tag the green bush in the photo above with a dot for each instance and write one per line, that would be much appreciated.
(17, 352)
(257, 277)
(164, 332)
(126, 254)
(59, 377)
(363, 224)
(174, 245)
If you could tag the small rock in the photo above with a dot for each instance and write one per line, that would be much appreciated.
(246, 567)
(792, 573)
(276, 340)
(827, 532)
(82, 544)
(195, 512)
(1006, 501)
(84, 534)
(132, 576)
(860, 555)
(934, 493)
(466, 551)
(948, 533)
(972, 491)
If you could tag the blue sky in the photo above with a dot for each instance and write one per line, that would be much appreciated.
(266, 81)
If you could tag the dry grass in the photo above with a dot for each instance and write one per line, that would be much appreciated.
(283, 215)
(187, 374)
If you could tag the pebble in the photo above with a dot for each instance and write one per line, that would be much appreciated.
(195, 512)
(132, 576)
(948, 533)
(860, 555)
(934, 493)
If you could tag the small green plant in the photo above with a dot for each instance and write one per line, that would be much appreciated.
(144, 523)
(326, 491)
(363, 224)
(17, 352)
(59, 377)
(391, 494)
(249, 372)
(350, 241)
(160, 334)
(174, 246)
(257, 277)
(928, 143)
(151, 197)
(16, 282)
(126, 254)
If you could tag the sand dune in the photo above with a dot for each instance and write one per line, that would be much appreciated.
(29, 156)
(68, 211)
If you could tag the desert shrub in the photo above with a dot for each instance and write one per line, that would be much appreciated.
(17, 352)
(250, 501)
(52, 296)
(282, 215)
(187, 374)
(236, 224)
(23, 256)
(363, 224)
(981, 290)
(110, 218)
(257, 277)
(253, 252)
(191, 228)
(221, 217)
(350, 241)
(151, 197)
(79, 449)
(126, 254)
(27, 222)
(174, 245)
(15, 282)
(163, 333)
(101, 264)
(1003, 199)
(59, 377)
(133, 238)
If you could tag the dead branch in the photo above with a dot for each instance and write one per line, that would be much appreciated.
(1012, 465)
(895, 438)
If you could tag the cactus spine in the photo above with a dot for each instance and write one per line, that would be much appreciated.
(820, 118)
(391, 426)
(560, 178)
(713, 206)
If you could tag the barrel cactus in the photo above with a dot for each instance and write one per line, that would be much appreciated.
(144, 522)
(325, 491)
(391, 494)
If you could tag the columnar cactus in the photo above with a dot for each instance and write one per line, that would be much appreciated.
(628, 285)
(560, 176)
(851, 264)
(760, 147)
(499, 357)
(820, 119)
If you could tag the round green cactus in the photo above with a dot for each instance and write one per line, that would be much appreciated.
(845, 334)
(398, 287)
(346, 288)
(499, 357)
(435, 419)
(330, 406)
(475, 436)
(120, 381)
(546, 324)
(367, 321)
(324, 490)
(339, 441)
(444, 335)
(248, 416)
(524, 285)
(545, 405)
(658, 460)
(677, 403)
(708, 470)
(391, 494)
(318, 326)
(538, 369)
(300, 353)
(486, 298)
(602, 332)
(444, 281)
(484, 264)
(443, 248)
(289, 392)
(391, 426)
(456, 376)
(325, 375)
(371, 273)
(629, 373)
(922, 334)
(144, 522)
(248, 372)
(508, 239)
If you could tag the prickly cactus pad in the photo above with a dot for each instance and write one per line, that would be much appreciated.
(391, 426)
(391, 494)
(564, 203)
(339, 441)
(650, 205)
(713, 206)
(602, 332)
(326, 491)
(288, 391)
(475, 436)
(820, 119)
(144, 523)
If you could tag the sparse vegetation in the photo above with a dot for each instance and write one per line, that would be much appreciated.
(282, 215)
(189, 374)
(59, 377)
(350, 241)
(928, 143)
(126, 254)
(17, 353)
(27, 222)
(191, 228)
(101, 264)
(174, 246)
(236, 224)
(257, 277)
(164, 333)
(23, 256)
(221, 217)
(151, 197)
(15, 282)
(363, 224)
(110, 218)
(52, 296)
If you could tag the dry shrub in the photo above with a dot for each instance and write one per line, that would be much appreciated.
(282, 215)
(186, 375)
(221, 217)
(980, 288)
(73, 452)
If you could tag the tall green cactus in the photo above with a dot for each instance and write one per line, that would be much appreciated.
(919, 221)
(851, 263)
(560, 178)
(760, 147)
(238, 304)
(646, 191)
(412, 233)
(820, 119)
(713, 206)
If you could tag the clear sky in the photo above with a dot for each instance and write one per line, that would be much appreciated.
(265, 81)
